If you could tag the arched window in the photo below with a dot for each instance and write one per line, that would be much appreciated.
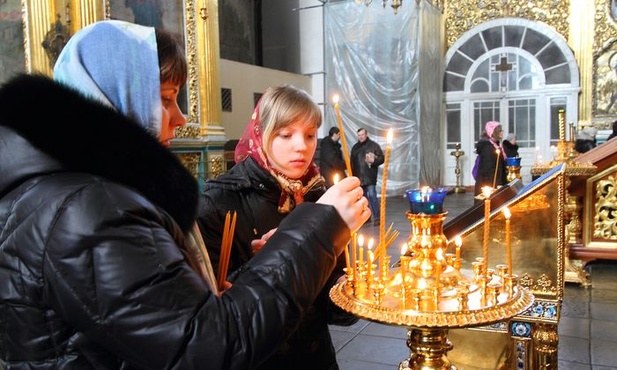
(511, 70)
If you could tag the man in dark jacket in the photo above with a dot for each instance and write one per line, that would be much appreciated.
(366, 157)
(331, 160)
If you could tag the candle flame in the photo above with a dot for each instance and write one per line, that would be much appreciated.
(458, 241)
(390, 136)
(371, 241)
(506, 213)
(403, 249)
(486, 191)
(439, 254)
(421, 284)
(335, 99)
(497, 151)
(335, 179)
(361, 240)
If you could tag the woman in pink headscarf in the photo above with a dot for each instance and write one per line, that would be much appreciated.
(275, 173)
(491, 166)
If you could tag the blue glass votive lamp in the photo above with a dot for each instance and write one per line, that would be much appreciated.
(513, 161)
(426, 200)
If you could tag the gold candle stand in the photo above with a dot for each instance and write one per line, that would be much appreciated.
(428, 294)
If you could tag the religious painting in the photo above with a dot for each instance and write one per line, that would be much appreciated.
(153, 13)
(605, 101)
(12, 53)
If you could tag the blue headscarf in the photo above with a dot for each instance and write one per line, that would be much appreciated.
(116, 63)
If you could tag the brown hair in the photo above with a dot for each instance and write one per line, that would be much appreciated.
(283, 105)
(172, 59)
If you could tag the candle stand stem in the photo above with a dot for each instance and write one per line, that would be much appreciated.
(428, 348)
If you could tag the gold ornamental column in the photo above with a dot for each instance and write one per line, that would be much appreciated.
(208, 54)
(84, 13)
(39, 16)
(580, 38)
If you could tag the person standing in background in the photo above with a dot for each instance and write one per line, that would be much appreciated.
(510, 146)
(614, 133)
(586, 139)
(366, 157)
(331, 160)
(492, 166)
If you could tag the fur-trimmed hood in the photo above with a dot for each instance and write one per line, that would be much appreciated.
(46, 127)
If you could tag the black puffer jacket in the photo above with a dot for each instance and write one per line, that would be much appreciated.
(93, 273)
(254, 194)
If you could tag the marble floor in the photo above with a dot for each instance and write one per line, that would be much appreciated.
(587, 329)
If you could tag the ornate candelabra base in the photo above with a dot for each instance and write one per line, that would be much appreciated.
(428, 350)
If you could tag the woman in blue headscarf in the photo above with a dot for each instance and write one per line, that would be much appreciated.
(97, 267)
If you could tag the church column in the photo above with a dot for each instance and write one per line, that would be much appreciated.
(208, 56)
(580, 39)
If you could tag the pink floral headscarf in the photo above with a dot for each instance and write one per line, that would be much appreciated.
(490, 128)
(293, 191)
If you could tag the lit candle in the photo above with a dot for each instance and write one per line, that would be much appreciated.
(342, 132)
(370, 256)
(354, 241)
(497, 152)
(506, 213)
(458, 241)
(335, 179)
(369, 246)
(361, 252)
(347, 261)
(382, 205)
(486, 191)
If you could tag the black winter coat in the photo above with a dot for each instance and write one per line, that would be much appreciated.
(331, 160)
(367, 174)
(488, 166)
(93, 273)
(254, 194)
(510, 149)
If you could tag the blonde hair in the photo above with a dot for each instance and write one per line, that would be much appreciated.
(283, 105)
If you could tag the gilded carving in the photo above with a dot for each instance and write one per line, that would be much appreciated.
(605, 31)
(544, 285)
(216, 166)
(605, 215)
(189, 131)
(545, 340)
(191, 161)
(463, 15)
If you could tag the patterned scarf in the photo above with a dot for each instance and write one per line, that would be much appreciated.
(293, 191)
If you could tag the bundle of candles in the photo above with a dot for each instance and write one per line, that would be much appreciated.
(226, 242)
(427, 277)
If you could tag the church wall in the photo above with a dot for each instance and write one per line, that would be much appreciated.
(245, 81)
